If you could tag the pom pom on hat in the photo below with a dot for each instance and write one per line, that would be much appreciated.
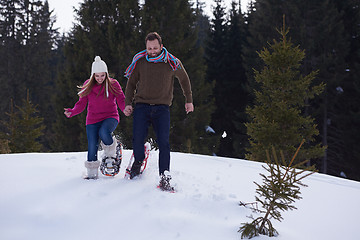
(98, 66)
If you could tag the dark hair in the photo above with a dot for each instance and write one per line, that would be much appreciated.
(152, 36)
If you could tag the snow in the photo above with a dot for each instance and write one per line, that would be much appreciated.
(43, 196)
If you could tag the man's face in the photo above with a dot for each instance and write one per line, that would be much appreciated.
(153, 48)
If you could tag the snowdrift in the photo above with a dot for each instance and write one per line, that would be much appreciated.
(43, 196)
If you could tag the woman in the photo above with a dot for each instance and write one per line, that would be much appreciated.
(102, 95)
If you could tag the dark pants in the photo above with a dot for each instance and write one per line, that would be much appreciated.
(100, 130)
(159, 117)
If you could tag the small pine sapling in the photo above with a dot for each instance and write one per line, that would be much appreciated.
(277, 193)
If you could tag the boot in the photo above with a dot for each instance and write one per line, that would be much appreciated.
(109, 150)
(164, 184)
(135, 169)
(92, 169)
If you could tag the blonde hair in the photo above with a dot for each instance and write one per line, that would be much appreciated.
(87, 87)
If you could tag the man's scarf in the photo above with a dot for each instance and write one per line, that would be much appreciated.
(164, 56)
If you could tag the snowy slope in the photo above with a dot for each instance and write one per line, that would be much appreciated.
(43, 196)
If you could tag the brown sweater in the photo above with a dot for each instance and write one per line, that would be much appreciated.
(153, 83)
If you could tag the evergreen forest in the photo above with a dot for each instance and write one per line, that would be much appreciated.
(225, 54)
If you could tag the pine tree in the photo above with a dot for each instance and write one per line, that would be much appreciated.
(225, 68)
(4, 146)
(11, 60)
(279, 190)
(318, 27)
(24, 127)
(68, 133)
(27, 38)
(328, 57)
(214, 56)
(175, 21)
(37, 55)
(202, 24)
(348, 93)
(277, 119)
(215, 49)
(235, 96)
(109, 29)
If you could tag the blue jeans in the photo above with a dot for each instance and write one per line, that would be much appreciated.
(159, 117)
(100, 130)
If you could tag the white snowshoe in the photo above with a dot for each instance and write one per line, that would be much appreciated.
(110, 164)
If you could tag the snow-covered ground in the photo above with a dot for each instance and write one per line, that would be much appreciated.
(43, 196)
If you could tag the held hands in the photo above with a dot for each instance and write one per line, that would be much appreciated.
(189, 107)
(128, 110)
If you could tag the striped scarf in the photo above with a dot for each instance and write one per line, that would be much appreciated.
(164, 56)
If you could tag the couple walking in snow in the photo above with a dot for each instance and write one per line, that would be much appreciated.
(148, 96)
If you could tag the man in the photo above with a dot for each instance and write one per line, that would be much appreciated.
(150, 87)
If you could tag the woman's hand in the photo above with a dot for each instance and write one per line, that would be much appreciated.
(128, 110)
(67, 112)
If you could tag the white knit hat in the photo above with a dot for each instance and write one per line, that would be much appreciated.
(98, 66)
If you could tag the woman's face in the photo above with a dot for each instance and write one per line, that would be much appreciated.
(100, 77)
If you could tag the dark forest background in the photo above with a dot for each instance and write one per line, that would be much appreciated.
(40, 70)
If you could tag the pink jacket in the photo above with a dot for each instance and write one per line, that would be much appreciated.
(99, 107)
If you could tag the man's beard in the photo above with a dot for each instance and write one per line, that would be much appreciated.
(155, 54)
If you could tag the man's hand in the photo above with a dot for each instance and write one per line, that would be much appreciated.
(189, 107)
(128, 110)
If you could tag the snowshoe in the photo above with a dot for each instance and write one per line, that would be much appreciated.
(111, 166)
(135, 169)
(164, 184)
